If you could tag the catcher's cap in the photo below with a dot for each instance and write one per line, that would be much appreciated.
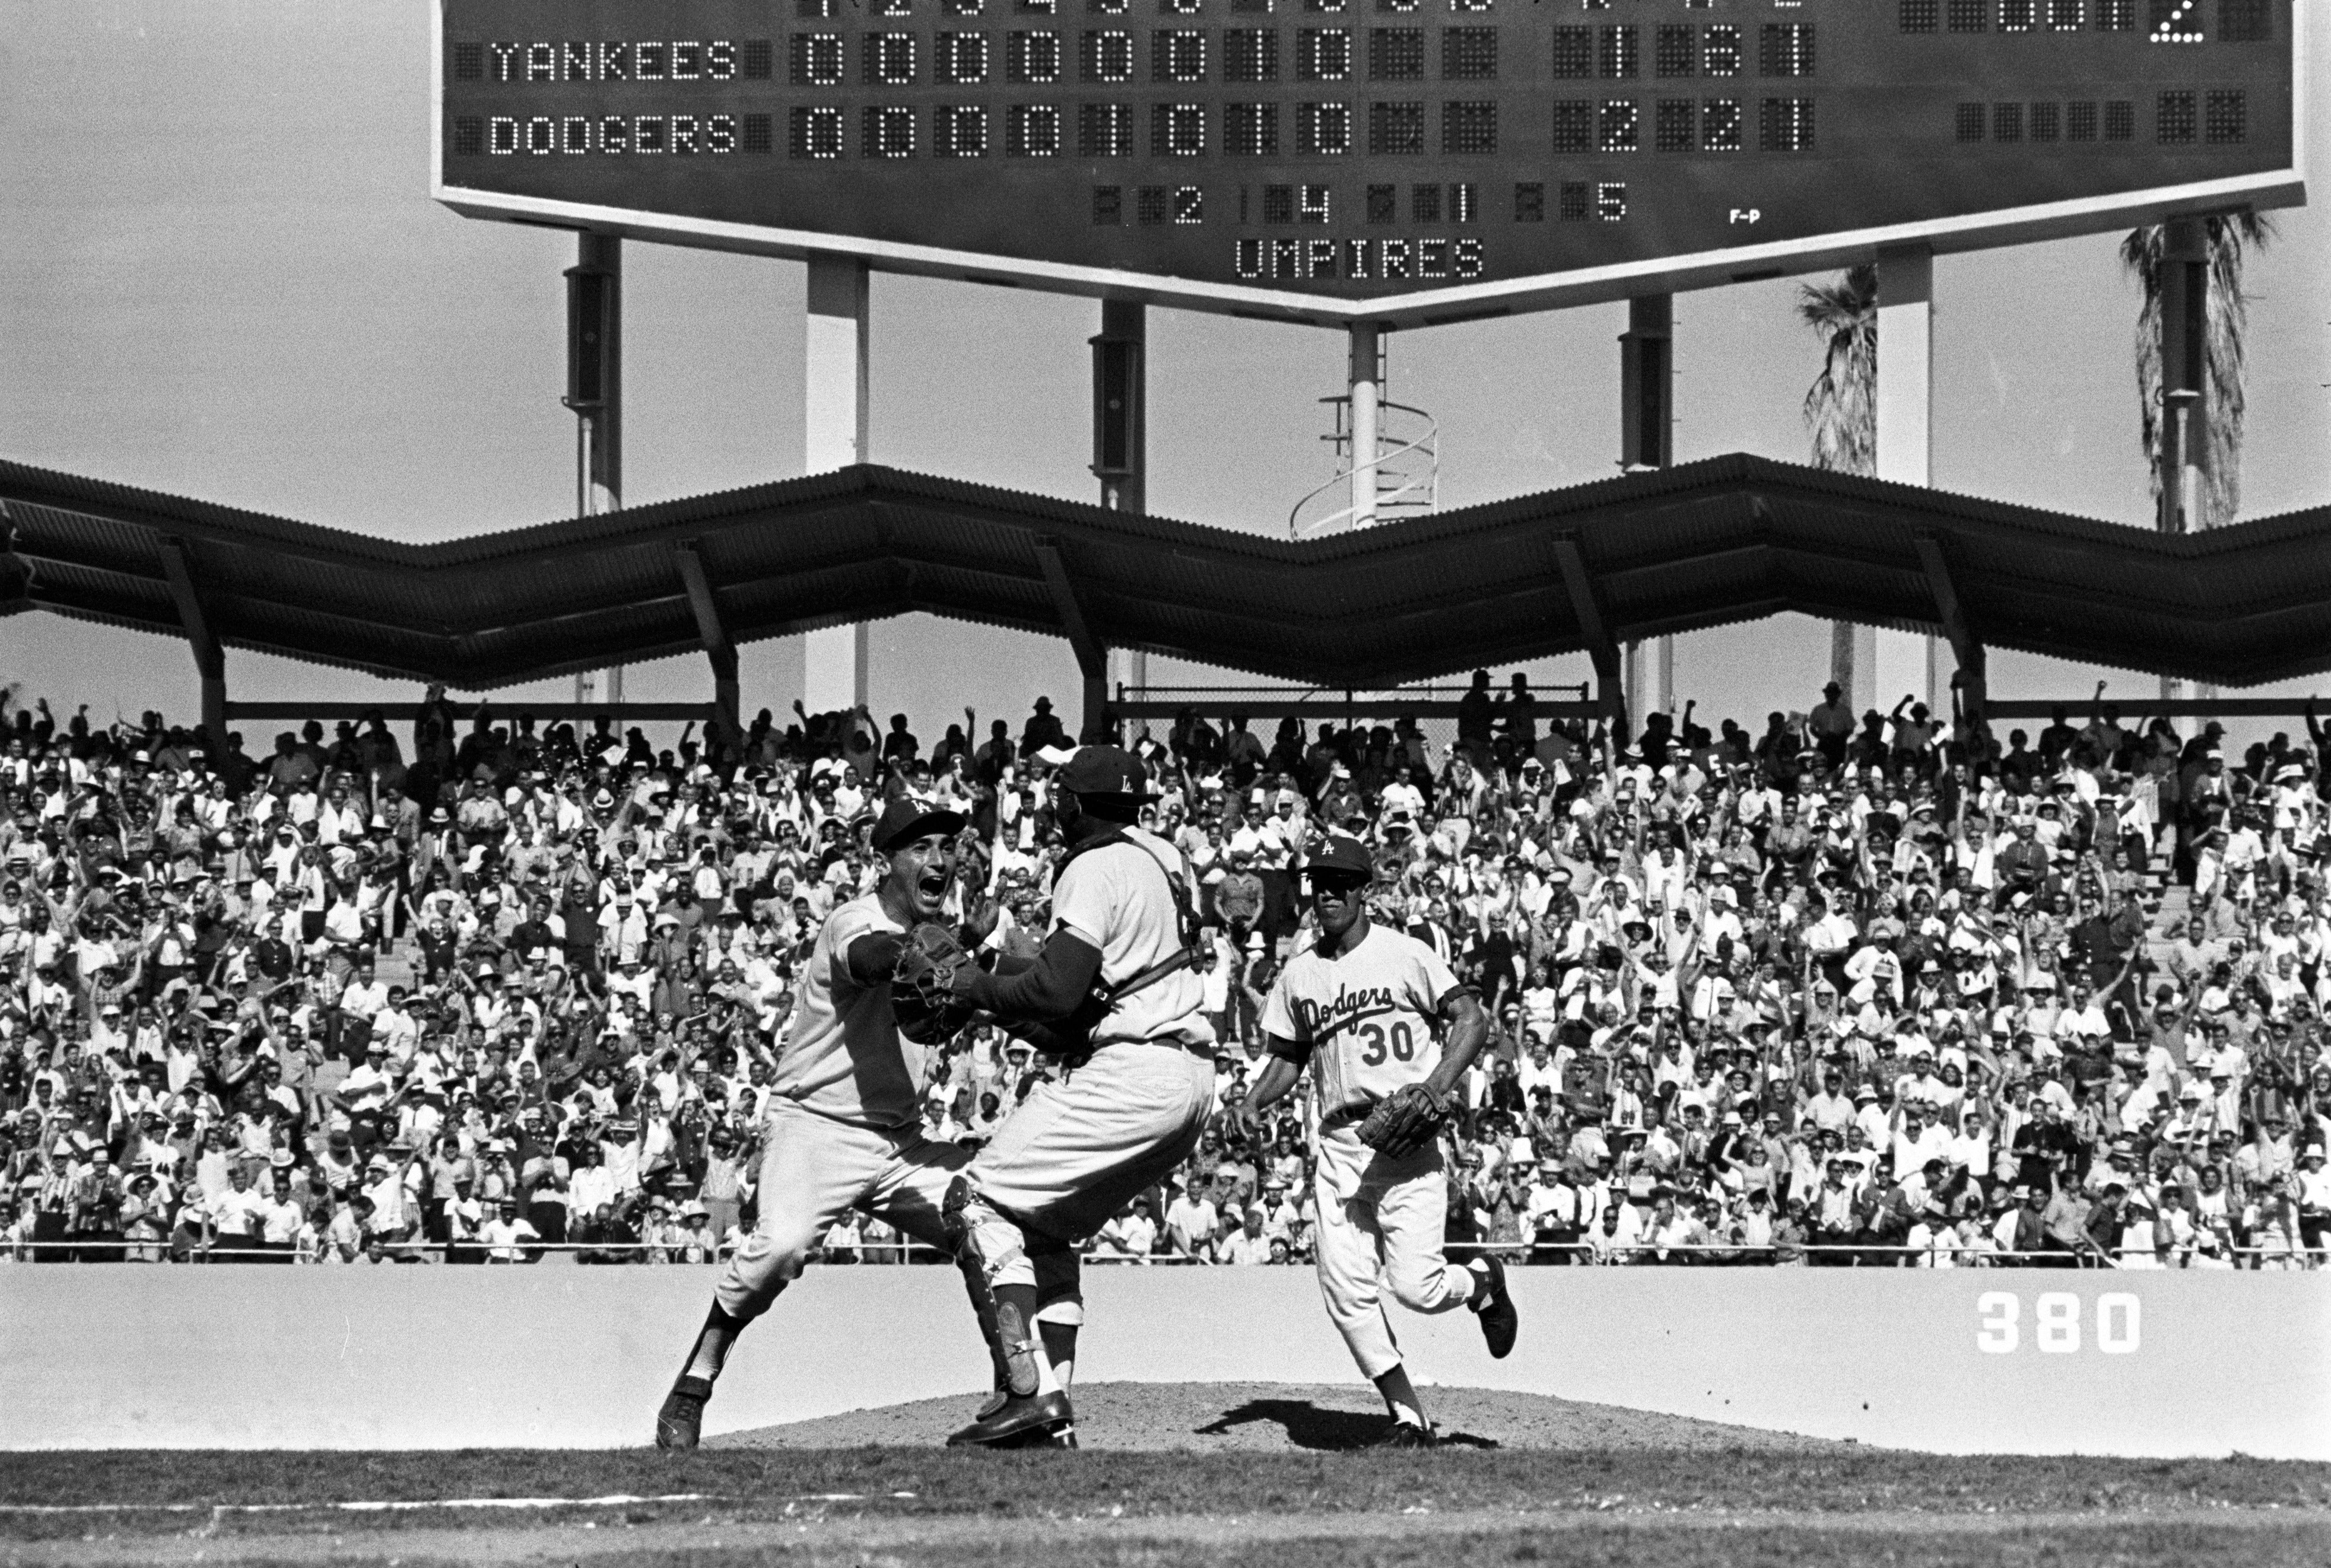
(1106, 770)
(904, 820)
(1338, 854)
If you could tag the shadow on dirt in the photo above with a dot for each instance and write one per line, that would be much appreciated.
(1307, 1426)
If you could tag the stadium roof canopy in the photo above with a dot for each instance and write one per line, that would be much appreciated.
(1707, 544)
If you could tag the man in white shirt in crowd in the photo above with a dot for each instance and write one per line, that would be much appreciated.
(506, 1235)
(1920, 1139)
(1131, 1236)
(2314, 1201)
(281, 1218)
(1191, 1221)
(238, 1215)
(1247, 1244)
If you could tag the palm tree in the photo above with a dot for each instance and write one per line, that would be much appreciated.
(1842, 409)
(2230, 238)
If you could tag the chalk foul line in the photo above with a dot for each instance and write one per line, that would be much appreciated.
(613, 1500)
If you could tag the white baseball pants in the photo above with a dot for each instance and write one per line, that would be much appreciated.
(1078, 1149)
(1377, 1224)
(813, 1171)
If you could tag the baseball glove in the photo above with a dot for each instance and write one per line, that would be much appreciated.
(923, 997)
(1404, 1121)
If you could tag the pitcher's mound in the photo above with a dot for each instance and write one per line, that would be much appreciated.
(1210, 1416)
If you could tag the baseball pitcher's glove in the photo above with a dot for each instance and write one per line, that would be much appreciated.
(923, 997)
(1404, 1121)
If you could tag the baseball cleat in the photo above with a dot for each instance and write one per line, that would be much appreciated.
(1061, 1437)
(680, 1421)
(1017, 1416)
(1407, 1435)
(1500, 1321)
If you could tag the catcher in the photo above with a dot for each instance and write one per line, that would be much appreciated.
(1360, 1008)
(1111, 998)
(844, 1129)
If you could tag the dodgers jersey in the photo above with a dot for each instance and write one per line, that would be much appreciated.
(1118, 898)
(1363, 1020)
(844, 1057)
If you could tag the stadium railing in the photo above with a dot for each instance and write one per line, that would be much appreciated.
(1528, 1253)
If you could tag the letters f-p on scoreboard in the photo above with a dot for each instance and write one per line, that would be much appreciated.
(1393, 160)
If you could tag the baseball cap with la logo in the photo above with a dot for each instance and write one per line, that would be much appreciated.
(1106, 770)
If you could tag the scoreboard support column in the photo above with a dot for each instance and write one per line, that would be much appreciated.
(1903, 662)
(1120, 370)
(1366, 382)
(594, 391)
(834, 431)
(1647, 440)
(2184, 349)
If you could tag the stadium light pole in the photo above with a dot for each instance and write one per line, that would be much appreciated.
(1902, 661)
(594, 391)
(835, 431)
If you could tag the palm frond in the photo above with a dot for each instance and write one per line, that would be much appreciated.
(1841, 407)
(2226, 327)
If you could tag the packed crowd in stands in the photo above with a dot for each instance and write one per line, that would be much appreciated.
(1848, 992)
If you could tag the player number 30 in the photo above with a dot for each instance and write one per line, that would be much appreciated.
(1400, 1043)
(2055, 1327)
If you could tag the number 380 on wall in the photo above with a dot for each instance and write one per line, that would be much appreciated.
(2056, 1323)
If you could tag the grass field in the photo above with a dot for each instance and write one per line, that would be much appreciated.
(1287, 1510)
(1186, 1476)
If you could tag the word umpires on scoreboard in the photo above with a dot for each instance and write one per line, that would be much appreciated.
(1348, 148)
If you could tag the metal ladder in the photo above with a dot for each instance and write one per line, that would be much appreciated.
(1408, 465)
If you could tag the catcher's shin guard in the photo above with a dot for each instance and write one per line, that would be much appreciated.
(1002, 1324)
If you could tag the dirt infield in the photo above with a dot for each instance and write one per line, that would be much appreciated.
(1180, 1475)
(1268, 1416)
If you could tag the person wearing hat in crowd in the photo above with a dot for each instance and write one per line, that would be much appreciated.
(844, 1128)
(1762, 843)
(1373, 1012)
(1830, 723)
(235, 1217)
(463, 1218)
(1114, 992)
(2313, 1196)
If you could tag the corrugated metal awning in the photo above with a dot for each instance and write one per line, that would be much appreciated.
(1709, 544)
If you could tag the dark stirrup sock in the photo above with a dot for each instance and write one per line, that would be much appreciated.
(713, 1343)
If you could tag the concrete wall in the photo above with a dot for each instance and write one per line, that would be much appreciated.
(563, 1357)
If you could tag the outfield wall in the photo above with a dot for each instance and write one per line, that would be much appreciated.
(2137, 1364)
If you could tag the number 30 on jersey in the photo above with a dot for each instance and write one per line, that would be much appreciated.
(1397, 1041)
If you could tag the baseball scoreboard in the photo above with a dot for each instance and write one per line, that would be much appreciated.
(1387, 160)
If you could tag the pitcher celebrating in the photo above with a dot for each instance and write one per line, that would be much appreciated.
(844, 1128)
(1360, 1007)
(1111, 997)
